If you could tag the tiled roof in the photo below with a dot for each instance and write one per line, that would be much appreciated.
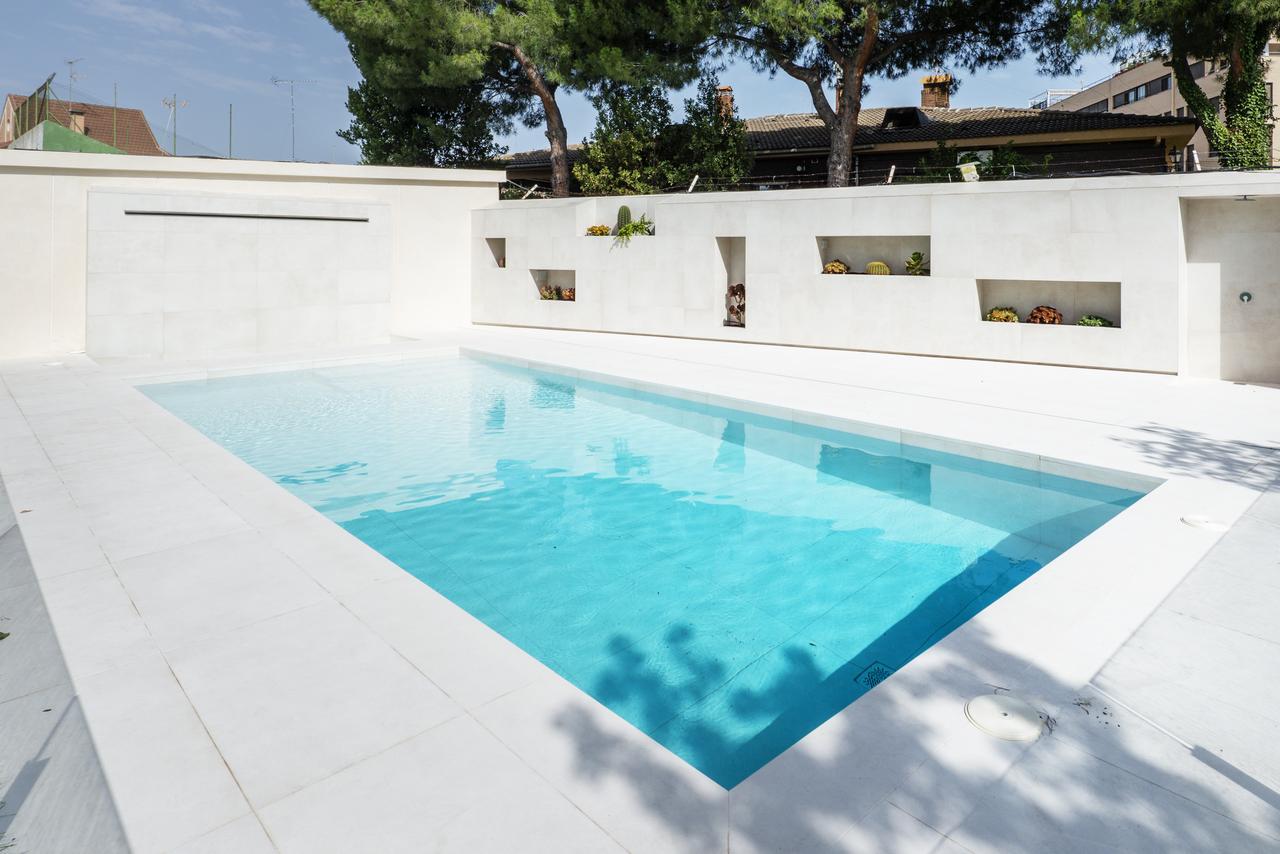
(805, 131)
(124, 128)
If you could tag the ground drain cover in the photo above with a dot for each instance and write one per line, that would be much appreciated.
(875, 673)
(1004, 717)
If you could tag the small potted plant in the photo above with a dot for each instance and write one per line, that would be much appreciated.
(835, 268)
(548, 292)
(1045, 314)
(1094, 320)
(878, 268)
(569, 294)
(1002, 314)
(599, 231)
(917, 265)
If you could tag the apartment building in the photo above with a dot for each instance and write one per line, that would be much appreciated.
(1148, 88)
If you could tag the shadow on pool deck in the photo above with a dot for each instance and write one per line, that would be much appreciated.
(892, 777)
(1195, 454)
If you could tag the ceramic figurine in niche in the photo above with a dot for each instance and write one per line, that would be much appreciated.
(735, 305)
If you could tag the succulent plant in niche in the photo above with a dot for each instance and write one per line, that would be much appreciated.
(835, 268)
(599, 231)
(917, 265)
(1045, 314)
(1094, 320)
(878, 268)
(1002, 314)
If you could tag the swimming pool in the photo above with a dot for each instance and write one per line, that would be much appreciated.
(724, 581)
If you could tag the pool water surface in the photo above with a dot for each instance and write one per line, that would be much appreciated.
(724, 581)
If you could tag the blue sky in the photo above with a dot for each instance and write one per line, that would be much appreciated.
(213, 53)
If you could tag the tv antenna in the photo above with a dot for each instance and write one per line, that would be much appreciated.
(293, 126)
(174, 105)
(72, 77)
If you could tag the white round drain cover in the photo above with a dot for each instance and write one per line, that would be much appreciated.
(1004, 717)
(1204, 522)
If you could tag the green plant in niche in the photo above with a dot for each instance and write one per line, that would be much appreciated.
(548, 292)
(633, 228)
(916, 265)
(624, 219)
(1094, 320)
(878, 268)
(1002, 314)
(598, 230)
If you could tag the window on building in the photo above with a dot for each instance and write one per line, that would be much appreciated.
(1137, 93)
(1095, 107)
(1182, 111)
(1197, 70)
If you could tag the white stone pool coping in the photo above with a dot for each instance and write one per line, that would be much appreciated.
(255, 679)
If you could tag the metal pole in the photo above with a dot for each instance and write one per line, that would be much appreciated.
(230, 126)
(293, 128)
(175, 124)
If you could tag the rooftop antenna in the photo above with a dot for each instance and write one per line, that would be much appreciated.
(174, 105)
(72, 77)
(293, 132)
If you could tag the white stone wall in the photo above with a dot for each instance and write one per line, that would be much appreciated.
(312, 291)
(184, 286)
(1073, 241)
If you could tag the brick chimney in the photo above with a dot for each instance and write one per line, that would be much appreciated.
(724, 94)
(936, 91)
(77, 121)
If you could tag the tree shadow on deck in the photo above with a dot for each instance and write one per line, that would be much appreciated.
(1195, 454)
(901, 769)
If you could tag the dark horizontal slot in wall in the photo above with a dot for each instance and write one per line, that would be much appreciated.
(250, 216)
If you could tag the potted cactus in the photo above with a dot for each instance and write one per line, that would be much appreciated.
(878, 268)
(835, 267)
(1002, 314)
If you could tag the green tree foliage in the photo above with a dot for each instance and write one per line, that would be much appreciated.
(524, 51)
(637, 149)
(1005, 162)
(712, 140)
(840, 44)
(424, 126)
(1234, 32)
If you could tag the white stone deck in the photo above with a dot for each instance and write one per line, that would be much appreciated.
(255, 679)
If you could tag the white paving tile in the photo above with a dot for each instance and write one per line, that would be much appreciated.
(213, 587)
(453, 789)
(469, 661)
(337, 560)
(641, 794)
(97, 624)
(169, 783)
(242, 836)
(294, 699)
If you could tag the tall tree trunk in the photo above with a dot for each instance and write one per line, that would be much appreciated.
(1241, 133)
(843, 125)
(557, 135)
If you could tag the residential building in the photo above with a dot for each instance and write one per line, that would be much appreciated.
(57, 125)
(791, 150)
(1148, 88)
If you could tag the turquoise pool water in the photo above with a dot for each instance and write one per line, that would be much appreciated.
(723, 581)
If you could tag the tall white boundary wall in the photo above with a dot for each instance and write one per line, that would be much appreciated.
(181, 257)
(1166, 258)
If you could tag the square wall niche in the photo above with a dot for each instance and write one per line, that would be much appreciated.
(859, 251)
(497, 250)
(1073, 299)
(561, 285)
(733, 256)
